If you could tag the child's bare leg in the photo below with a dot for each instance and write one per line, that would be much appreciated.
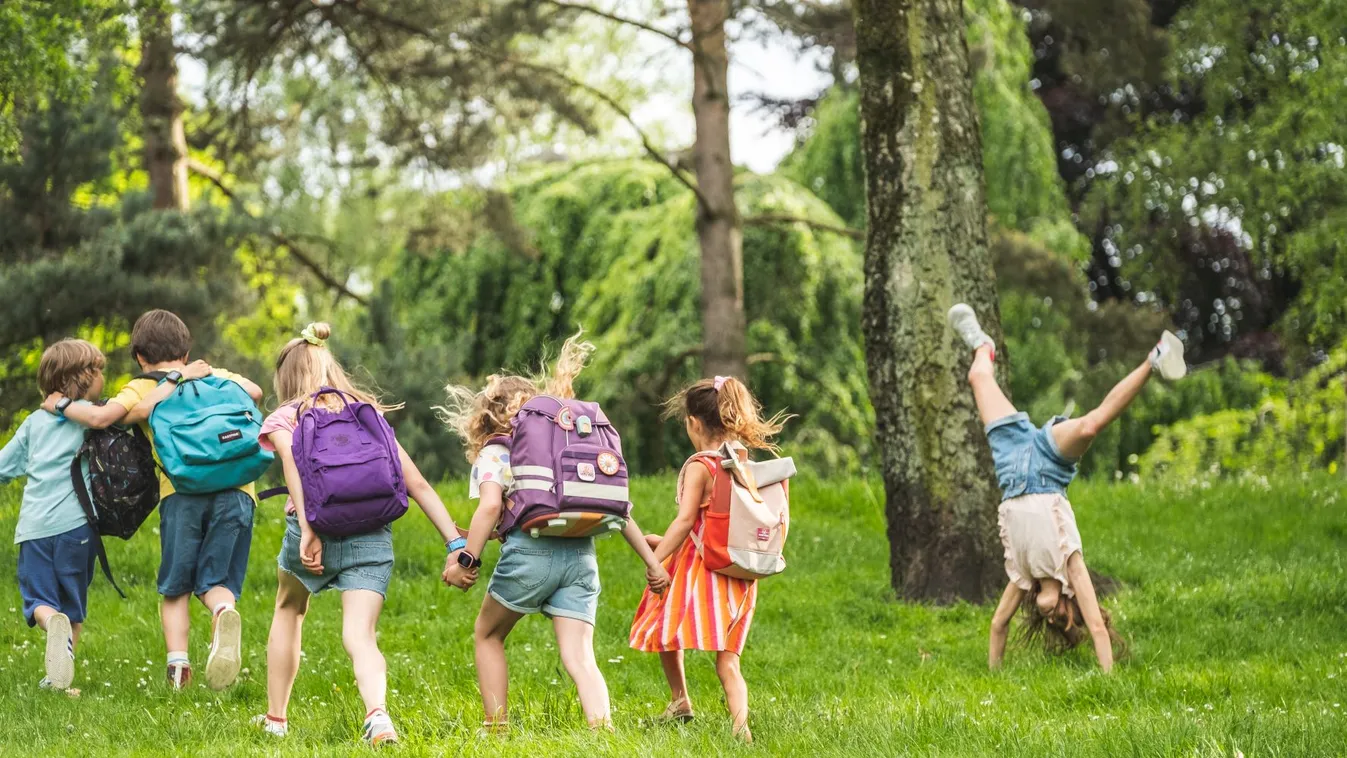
(672, 662)
(1005, 611)
(175, 614)
(991, 400)
(575, 642)
(283, 642)
(1074, 437)
(736, 691)
(360, 611)
(1079, 577)
(494, 623)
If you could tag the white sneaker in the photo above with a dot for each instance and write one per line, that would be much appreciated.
(964, 322)
(379, 729)
(60, 652)
(274, 727)
(226, 650)
(1167, 357)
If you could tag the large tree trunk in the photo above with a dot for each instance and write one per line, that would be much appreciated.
(926, 249)
(160, 109)
(718, 229)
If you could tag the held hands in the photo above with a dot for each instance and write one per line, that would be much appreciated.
(658, 579)
(49, 405)
(455, 575)
(311, 551)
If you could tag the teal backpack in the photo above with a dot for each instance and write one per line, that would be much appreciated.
(205, 433)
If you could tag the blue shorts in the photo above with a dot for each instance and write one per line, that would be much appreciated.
(555, 576)
(204, 540)
(357, 562)
(56, 572)
(1026, 457)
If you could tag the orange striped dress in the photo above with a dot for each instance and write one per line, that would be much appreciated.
(701, 610)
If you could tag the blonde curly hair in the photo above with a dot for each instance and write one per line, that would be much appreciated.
(478, 415)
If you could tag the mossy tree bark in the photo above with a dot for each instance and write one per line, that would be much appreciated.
(926, 249)
(160, 109)
(718, 225)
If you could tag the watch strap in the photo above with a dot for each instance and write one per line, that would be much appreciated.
(457, 543)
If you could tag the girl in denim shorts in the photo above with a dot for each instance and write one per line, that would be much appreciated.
(1044, 559)
(555, 576)
(359, 566)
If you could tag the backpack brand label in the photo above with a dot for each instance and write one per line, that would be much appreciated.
(764, 534)
(585, 471)
(230, 436)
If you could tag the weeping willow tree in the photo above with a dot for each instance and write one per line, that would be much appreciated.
(612, 247)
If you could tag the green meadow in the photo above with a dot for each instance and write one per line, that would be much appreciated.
(1232, 597)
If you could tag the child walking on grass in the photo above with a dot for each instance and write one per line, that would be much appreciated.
(703, 610)
(1044, 558)
(204, 539)
(555, 576)
(357, 565)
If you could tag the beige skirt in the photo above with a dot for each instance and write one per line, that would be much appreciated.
(1039, 534)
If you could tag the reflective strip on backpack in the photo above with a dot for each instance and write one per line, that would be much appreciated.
(596, 491)
(531, 484)
(544, 472)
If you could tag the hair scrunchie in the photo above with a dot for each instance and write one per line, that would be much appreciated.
(308, 336)
(720, 382)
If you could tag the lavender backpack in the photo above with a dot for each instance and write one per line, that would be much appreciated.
(349, 468)
(569, 476)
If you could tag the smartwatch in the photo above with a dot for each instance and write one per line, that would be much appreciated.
(173, 376)
(457, 543)
(61, 405)
(468, 560)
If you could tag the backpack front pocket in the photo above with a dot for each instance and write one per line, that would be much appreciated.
(593, 476)
(211, 436)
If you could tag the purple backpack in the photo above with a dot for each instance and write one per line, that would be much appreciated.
(349, 468)
(569, 476)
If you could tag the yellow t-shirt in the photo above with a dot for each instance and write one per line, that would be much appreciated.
(137, 390)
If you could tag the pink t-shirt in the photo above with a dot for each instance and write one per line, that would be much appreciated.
(283, 419)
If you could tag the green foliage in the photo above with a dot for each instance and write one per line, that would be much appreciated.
(1252, 187)
(1291, 428)
(611, 247)
(1232, 601)
(1024, 191)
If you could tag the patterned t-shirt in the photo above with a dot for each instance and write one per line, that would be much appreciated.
(493, 465)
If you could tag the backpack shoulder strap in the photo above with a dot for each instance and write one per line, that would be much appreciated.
(500, 439)
(87, 505)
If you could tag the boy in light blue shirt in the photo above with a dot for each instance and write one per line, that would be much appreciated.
(57, 546)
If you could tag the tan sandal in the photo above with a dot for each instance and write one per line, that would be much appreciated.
(496, 728)
(679, 711)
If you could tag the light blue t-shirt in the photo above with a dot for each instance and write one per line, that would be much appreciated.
(42, 449)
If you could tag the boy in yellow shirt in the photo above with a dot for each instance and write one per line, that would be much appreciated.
(204, 539)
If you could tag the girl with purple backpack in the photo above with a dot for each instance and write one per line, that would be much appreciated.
(348, 477)
(557, 576)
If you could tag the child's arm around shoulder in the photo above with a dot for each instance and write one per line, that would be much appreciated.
(248, 385)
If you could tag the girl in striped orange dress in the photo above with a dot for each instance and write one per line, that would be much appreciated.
(703, 610)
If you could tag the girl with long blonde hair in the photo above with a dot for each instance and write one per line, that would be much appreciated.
(359, 566)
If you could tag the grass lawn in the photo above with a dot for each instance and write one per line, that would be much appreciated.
(1234, 602)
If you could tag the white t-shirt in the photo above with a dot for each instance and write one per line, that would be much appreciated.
(493, 465)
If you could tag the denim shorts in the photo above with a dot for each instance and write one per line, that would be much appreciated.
(204, 540)
(355, 562)
(555, 576)
(56, 572)
(1026, 457)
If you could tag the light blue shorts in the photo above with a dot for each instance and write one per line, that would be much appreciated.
(554, 576)
(357, 562)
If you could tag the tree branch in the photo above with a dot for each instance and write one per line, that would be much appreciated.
(604, 97)
(582, 8)
(278, 236)
(783, 218)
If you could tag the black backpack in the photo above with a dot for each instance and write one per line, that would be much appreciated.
(123, 485)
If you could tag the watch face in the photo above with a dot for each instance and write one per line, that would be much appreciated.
(466, 561)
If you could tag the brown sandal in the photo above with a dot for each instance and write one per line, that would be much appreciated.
(679, 711)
